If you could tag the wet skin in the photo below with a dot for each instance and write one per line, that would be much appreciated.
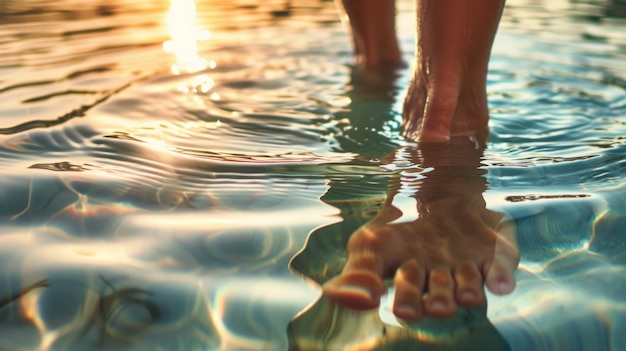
(447, 93)
(441, 259)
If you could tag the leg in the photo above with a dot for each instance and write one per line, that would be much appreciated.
(372, 23)
(447, 95)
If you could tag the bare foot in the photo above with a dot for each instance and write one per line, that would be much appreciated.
(455, 108)
(442, 259)
(447, 94)
(438, 262)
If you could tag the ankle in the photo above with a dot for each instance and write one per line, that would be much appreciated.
(437, 108)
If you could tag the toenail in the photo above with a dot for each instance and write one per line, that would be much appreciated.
(354, 290)
(438, 306)
(406, 310)
(468, 295)
(504, 287)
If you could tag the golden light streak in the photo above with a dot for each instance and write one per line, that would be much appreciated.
(185, 34)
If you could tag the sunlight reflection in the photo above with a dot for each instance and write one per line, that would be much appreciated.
(202, 83)
(185, 34)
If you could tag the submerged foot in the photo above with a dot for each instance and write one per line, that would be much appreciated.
(438, 262)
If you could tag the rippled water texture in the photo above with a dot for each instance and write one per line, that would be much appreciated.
(150, 201)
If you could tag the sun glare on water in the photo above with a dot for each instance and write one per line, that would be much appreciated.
(185, 34)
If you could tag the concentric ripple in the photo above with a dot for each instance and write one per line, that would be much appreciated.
(151, 207)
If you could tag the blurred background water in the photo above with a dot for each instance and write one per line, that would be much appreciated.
(161, 164)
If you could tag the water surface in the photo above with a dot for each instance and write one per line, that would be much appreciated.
(154, 202)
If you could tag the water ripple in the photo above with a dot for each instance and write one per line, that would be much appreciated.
(148, 209)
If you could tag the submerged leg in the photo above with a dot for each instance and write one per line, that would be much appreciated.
(447, 95)
(372, 24)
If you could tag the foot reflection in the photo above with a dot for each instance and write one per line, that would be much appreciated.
(325, 325)
(427, 229)
(441, 256)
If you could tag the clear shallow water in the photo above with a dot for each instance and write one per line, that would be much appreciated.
(146, 210)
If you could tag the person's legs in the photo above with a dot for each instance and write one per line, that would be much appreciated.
(447, 94)
(372, 23)
(447, 258)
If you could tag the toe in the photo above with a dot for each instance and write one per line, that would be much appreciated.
(499, 276)
(500, 272)
(440, 302)
(360, 285)
(469, 285)
(409, 282)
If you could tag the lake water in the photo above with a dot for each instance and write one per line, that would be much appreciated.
(150, 201)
